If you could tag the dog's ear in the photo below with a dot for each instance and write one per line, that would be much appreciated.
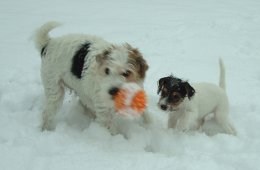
(138, 59)
(189, 90)
(101, 58)
(143, 66)
(161, 83)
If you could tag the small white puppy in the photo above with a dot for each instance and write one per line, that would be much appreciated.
(88, 65)
(188, 105)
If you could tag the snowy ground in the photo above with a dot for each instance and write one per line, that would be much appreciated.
(185, 38)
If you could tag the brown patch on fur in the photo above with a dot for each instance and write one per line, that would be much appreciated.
(137, 61)
(176, 104)
(164, 89)
(176, 94)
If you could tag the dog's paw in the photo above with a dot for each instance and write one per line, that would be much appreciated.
(113, 129)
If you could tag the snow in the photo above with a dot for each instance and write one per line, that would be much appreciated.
(184, 38)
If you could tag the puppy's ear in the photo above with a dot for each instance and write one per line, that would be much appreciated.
(101, 58)
(161, 83)
(189, 90)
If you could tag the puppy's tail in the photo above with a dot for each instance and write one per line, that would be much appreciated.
(222, 78)
(41, 36)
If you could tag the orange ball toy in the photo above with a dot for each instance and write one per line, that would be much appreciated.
(130, 101)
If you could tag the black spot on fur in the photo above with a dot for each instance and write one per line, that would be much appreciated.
(189, 89)
(174, 89)
(168, 82)
(43, 51)
(79, 59)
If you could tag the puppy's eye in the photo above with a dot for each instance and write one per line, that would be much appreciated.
(176, 97)
(107, 71)
(127, 73)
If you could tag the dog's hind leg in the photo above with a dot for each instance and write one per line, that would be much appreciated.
(54, 92)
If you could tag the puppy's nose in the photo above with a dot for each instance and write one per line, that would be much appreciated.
(164, 107)
(113, 91)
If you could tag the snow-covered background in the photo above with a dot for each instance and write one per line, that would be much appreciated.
(185, 38)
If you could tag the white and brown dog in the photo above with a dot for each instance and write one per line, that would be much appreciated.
(90, 66)
(189, 105)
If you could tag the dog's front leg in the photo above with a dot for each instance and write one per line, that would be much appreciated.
(87, 111)
(106, 119)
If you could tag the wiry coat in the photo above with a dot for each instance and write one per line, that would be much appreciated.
(88, 65)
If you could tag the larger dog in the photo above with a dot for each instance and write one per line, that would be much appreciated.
(190, 104)
(90, 66)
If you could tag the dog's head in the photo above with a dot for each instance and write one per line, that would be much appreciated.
(172, 92)
(119, 64)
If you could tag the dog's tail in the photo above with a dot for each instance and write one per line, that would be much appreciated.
(222, 77)
(41, 36)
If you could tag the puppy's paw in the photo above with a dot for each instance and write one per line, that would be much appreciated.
(182, 126)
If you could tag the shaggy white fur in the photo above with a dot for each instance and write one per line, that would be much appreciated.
(88, 65)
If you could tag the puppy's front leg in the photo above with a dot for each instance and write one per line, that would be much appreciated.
(187, 121)
(172, 120)
(147, 120)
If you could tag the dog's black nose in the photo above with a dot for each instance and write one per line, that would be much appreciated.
(113, 91)
(163, 107)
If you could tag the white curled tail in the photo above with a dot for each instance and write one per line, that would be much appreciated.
(222, 77)
(41, 36)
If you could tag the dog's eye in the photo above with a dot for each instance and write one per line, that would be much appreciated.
(127, 73)
(107, 71)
